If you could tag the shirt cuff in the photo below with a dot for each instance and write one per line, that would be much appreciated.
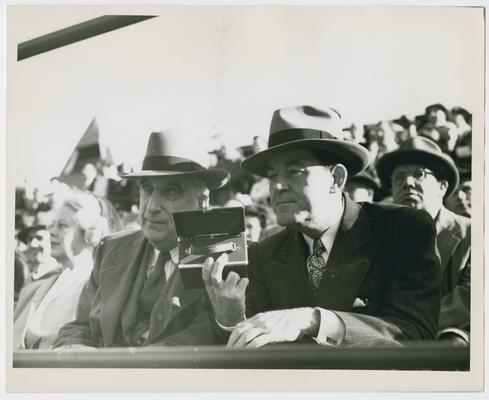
(331, 328)
(227, 328)
(459, 332)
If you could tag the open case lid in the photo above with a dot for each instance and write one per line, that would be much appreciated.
(211, 221)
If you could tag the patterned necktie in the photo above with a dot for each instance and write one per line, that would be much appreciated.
(316, 265)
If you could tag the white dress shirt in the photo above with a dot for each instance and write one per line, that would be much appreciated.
(170, 265)
(331, 327)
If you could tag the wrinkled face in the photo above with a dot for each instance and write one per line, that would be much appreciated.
(460, 202)
(300, 189)
(66, 236)
(415, 186)
(159, 198)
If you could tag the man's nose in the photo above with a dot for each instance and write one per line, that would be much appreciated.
(409, 181)
(154, 203)
(281, 184)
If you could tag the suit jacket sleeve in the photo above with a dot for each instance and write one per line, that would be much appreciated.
(411, 304)
(79, 330)
(455, 306)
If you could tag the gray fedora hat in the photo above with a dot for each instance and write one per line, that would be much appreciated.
(172, 153)
(308, 127)
(422, 151)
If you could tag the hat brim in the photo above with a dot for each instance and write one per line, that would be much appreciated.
(441, 165)
(369, 182)
(214, 177)
(353, 156)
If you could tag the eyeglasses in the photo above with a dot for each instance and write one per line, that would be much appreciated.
(419, 174)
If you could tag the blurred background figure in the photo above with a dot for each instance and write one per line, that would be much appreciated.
(362, 187)
(89, 174)
(80, 223)
(381, 138)
(460, 202)
(438, 128)
(463, 150)
(37, 253)
(21, 275)
(255, 220)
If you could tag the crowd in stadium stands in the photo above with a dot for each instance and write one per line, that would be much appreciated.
(39, 218)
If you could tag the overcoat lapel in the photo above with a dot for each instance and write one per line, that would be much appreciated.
(173, 300)
(448, 236)
(118, 279)
(350, 259)
(289, 270)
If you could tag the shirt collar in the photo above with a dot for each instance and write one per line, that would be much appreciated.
(328, 236)
(173, 255)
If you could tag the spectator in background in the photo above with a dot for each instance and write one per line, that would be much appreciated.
(47, 304)
(362, 187)
(123, 193)
(256, 218)
(438, 128)
(463, 150)
(460, 202)
(421, 176)
(463, 120)
(381, 139)
(21, 275)
(37, 253)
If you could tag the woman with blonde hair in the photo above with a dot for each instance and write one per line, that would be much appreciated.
(44, 306)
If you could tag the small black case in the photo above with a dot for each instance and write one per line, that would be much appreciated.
(206, 233)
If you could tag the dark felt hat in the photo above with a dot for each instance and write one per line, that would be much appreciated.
(422, 151)
(366, 179)
(308, 127)
(173, 153)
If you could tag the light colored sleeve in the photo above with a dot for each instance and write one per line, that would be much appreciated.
(331, 328)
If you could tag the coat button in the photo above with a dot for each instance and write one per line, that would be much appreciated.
(160, 316)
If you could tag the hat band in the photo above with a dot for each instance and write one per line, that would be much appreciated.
(168, 163)
(289, 135)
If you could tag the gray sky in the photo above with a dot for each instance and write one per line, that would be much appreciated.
(225, 70)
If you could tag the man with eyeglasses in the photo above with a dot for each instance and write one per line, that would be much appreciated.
(422, 176)
(341, 273)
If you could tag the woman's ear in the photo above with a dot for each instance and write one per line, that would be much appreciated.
(340, 174)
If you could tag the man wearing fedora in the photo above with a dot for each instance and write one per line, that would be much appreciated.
(362, 187)
(135, 294)
(341, 272)
(421, 176)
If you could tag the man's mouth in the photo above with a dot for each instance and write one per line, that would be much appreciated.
(410, 195)
(155, 222)
(283, 202)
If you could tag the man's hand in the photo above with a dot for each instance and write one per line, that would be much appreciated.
(227, 297)
(275, 326)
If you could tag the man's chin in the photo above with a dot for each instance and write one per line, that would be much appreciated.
(291, 220)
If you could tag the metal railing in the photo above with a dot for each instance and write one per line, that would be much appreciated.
(412, 356)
